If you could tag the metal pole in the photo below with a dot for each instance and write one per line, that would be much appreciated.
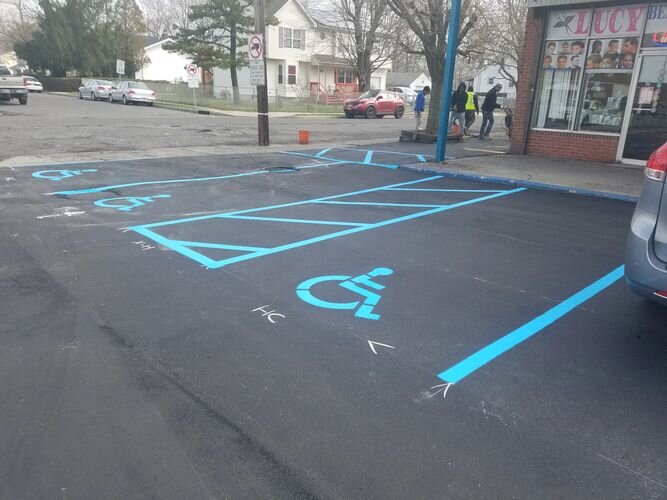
(262, 91)
(194, 97)
(448, 79)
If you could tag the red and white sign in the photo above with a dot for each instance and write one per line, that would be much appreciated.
(191, 69)
(605, 22)
(256, 47)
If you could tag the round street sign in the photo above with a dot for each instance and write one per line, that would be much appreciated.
(256, 47)
(191, 69)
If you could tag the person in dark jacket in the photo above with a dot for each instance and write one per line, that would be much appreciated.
(489, 105)
(459, 99)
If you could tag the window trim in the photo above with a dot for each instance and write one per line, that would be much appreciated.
(291, 75)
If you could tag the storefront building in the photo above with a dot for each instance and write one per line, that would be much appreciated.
(591, 81)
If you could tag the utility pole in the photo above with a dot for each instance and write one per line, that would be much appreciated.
(448, 79)
(262, 91)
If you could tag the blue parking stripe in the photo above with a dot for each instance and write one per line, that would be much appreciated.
(504, 344)
(426, 190)
(379, 204)
(295, 221)
(178, 181)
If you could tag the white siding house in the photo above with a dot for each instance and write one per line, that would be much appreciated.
(301, 58)
(488, 77)
(163, 65)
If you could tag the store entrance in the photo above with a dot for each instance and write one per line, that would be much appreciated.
(646, 128)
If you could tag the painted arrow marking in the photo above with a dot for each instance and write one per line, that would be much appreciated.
(440, 388)
(373, 344)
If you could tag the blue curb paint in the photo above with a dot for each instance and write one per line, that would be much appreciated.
(504, 344)
(526, 184)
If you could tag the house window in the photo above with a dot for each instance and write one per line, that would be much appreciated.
(345, 76)
(491, 81)
(280, 74)
(511, 84)
(296, 39)
(291, 75)
(287, 37)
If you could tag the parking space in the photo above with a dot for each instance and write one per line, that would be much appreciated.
(369, 331)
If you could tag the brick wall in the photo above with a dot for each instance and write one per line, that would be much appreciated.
(548, 143)
(572, 145)
(531, 47)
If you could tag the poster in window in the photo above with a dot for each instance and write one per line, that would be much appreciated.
(612, 53)
(565, 54)
(655, 34)
(645, 95)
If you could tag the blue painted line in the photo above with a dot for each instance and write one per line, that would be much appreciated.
(221, 263)
(218, 246)
(379, 204)
(390, 152)
(285, 205)
(527, 184)
(369, 157)
(350, 162)
(177, 181)
(182, 249)
(295, 221)
(449, 190)
(323, 152)
(504, 344)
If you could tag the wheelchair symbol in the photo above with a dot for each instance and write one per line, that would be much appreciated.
(59, 175)
(364, 309)
(128, 203)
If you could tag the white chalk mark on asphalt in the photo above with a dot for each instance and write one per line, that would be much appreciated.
(67, 211)
(440, 388)
(373, 344)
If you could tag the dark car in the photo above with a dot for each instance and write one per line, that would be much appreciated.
(375, 104)
(646, 249)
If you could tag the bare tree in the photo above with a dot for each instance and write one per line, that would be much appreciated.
(363, 34)
(429, 21)
(503, 27)
(17, 21)
(162, 16)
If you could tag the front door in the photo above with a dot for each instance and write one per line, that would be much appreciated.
(646, 128)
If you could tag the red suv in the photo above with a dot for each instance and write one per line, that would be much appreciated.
(375, 104)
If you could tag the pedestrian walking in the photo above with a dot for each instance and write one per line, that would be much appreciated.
(472, 109)
(458, 111)
(419, 105)
(489, 105)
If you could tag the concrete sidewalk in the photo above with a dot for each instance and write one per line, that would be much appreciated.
(613, 181)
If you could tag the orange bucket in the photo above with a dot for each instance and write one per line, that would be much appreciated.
(304, 136)
(455, 129)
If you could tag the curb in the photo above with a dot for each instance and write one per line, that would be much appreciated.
(527, 184)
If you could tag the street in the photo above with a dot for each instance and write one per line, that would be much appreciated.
(319, 323)
(53, 127)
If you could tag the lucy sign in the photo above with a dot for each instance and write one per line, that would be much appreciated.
(597, 23)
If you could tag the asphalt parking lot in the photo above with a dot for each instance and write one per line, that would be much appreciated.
(320, 324)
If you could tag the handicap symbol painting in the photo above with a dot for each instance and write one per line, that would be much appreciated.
(128, 203)
(59, 175)
(359, 285)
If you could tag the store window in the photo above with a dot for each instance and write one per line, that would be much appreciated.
(291, 75)
(587, 66)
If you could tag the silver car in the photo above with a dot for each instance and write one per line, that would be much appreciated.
(406, 93)
(132, 92)
(646, 249)
(94, 89)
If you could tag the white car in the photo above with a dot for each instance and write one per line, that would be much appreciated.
(32, 84)
(132, 92)
(406, 93)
